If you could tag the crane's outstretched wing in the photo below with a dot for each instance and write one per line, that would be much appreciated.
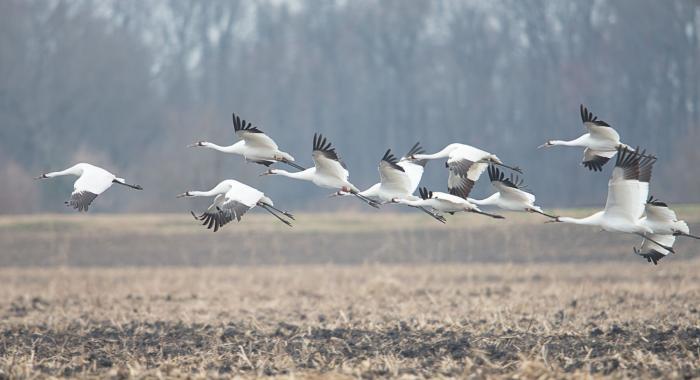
(213, 216)
(623, 188)
(595, 159)
(509, 187)
(234, 209)
(659, 212)
(462, 176)
(393, 175)
(81, 200)
(326, 159)
(93, 182)
(598, 128)
(646, 163)
(413, 168)
(652, 251)
(252, 135)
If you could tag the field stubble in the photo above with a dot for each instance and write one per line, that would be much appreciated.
(567, 311)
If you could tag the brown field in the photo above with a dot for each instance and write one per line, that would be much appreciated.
(375, 295)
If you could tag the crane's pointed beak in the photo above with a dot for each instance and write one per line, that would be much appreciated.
(187, 194)
(267, 172)
(41, 176)
(195, 144)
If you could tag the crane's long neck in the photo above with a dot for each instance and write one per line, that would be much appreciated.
(593, 220)
(305, 175)
(235, 148)
(73, 170)
(489, 201)
(575, 142)
(441, 154)
(373, 191)
(218, 189)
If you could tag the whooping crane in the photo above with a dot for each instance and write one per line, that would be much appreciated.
(328, 171)
(666, 226)
(443, 202)
(510, 194)
(663, 220)
(254, 146)
(92, 182)
(600, 143)
(232, 200)
(466, 164)
(624, 205)
(398, 179)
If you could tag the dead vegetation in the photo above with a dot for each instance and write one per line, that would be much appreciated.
(480, 320)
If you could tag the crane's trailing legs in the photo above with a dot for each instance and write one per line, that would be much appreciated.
(120, 181)
(269, 209)
(435, 215)
(688, 235)
(495, 216)
(541, 213)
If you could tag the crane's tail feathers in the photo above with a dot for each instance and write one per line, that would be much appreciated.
(265, 206)
(435, 215)
(495, 216)
(292, 164)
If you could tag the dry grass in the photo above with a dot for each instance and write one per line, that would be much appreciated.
(553, 320)
(158, 296)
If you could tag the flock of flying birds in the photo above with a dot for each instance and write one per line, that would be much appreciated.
(628, 209)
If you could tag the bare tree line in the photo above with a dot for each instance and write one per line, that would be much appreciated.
(127, 84)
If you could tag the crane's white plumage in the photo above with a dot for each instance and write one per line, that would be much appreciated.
(510, 194)
(600, 143)
(443, 202)
(329, 171)
(399, 178)
(624, 205)
(254, 145)
(92, 181)
(666, 226)
(466, 164)
(232, 200)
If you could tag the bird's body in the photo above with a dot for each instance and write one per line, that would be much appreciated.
(600, 143)
(510, 194)
(665, 225)
(662, 219)
(443, 202)
(232, 200)
(255, 146)
(328, 171)
(627, 189)
(465, 164)
(399, 178)
(92, 181)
